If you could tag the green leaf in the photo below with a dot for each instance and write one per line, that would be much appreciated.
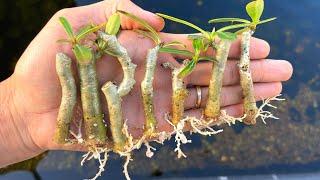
(82, 53)
(86, 31)
(205, 33)
(267, 20)
(207, 58)
(144, 24)
(187, 70)
(213, 32)
(223, 20)
(242, 30)
(176, 51)
(64, 41)
(113, 24)
(227, 36)
(146, 34)
(255, 10)
(197, 45)
(235, 26)
(67, 27)
(174, 43)
(110, 53)
(195, 36)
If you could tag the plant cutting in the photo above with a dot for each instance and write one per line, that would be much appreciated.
(95, 131)
(92, 42)
(179, 90)
(68, 100)
(254, 10)
(201, 42)
(109, 44)
(147, 83)
(209, 39)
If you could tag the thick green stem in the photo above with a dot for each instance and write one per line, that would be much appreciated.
(115, 114)
(147, 91)
(93, 118)
(115, 48)
(114, 94)
(179, 94)
(68, 99)
(250, 107)
(212, 109)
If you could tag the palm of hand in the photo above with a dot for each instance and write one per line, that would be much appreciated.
(41, 92)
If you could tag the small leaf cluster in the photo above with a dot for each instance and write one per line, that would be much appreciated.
(164, 47)
(205, 39)
(82, 52)
(254, 10)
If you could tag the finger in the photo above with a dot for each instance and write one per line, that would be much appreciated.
(99, 12)
(69, 147)
(262, 71)
(231, 95)
(126, 23)
(259, 48)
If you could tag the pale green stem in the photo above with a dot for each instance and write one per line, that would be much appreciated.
(115, 115)
(179, 94)
(212, 109)
(147, 91)
(95, 129)
(250, 107)
(68, 99)
(115, 48)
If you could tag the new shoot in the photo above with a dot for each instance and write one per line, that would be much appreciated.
(95, 130)
(254, 10)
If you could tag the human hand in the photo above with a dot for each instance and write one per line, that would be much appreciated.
(36, 89)
(27, 127)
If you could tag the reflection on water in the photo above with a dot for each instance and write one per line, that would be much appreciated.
(288, 145)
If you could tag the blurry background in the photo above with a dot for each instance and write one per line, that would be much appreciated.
(289, 146)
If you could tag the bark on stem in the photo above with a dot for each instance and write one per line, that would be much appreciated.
(115, 48)
(114, 94)
(179, 94)
(93, 118)
(212, 109)
(115, 114)
(147, 91)
(68, 99)
(250, 107)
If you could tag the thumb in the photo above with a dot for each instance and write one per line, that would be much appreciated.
(126, 23)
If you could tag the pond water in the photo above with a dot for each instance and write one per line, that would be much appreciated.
(286, 146)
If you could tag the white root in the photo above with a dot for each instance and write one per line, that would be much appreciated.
(126, 164)
(130, 146)
(78, 135)
(96, 154)
(150, 149)
(180, 137)
(202, 127)
(263, 114)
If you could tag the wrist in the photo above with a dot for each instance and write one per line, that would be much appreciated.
(15, 140)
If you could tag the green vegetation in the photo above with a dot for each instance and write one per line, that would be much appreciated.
(106, 42)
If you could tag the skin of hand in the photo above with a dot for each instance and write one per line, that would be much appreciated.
(30, 98)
